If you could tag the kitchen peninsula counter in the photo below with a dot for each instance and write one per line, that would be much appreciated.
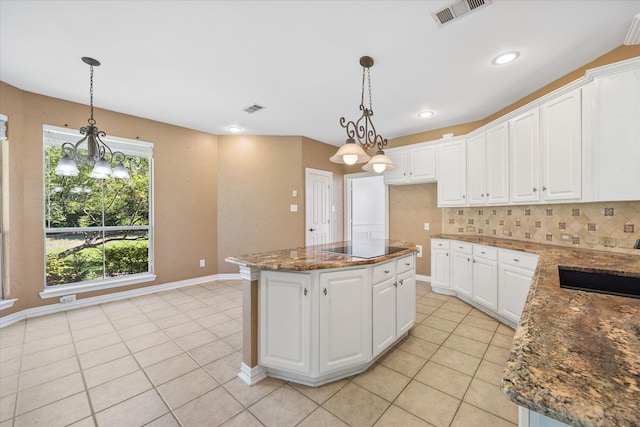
(575, 355)
(320, 313)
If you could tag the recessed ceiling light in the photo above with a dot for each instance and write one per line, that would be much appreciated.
(505, 58)
(425, 114)
(234, 129)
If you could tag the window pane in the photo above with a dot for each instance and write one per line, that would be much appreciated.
(126, 252)
(126, 201)
(74, 257)
(71, 201)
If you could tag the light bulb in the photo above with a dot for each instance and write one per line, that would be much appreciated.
(350, 159)
(379, 167)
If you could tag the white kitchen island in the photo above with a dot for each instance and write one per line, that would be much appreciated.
(314, 315)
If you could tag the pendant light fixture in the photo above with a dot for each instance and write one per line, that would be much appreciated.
(96, 148)
(364, 132)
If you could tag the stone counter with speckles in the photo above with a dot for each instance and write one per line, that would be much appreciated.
(575, 355)
(317, 257)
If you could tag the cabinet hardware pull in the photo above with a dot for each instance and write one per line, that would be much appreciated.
(305, 292)
(516, 260)
(487, 194)
(401, 282)
(312, 229)
(407, 263)
(544, 188)
(447, 253)
(395, 285)
(482, 195)
(482, 252)
(463, 196)
(386, 271)
(535, 189)
(468, 259)
(325, 291)
(474, 261)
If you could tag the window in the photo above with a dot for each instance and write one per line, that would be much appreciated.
(98, 232)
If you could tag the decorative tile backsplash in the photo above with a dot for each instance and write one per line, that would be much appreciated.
(611, 226)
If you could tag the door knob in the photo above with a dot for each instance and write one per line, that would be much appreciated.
(312, 229)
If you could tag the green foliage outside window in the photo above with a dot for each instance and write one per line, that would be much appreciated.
(94, 206)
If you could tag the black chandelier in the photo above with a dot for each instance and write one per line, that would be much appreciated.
(364, 132)
(96, 148)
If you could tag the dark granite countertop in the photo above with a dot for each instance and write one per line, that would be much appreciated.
(575, 356)
(316, 257)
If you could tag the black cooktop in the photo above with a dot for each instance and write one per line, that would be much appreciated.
(364, 250)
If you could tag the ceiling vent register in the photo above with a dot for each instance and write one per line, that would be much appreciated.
(253, 108)
(457, 9)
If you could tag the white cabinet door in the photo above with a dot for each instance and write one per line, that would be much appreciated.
(440, 268)
(485, 282)
(422, 164)
(461, 269)
(400, 174)
(497, 164)
(406, 302)
(384, 315)
(561, 141)
(476, 172)
(345, 319)
(523, 154)
(514, 288)
(452, 174)
(284, 334)
(616, 135)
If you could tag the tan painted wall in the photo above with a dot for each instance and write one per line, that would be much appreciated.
(256, 177)
(185, 191)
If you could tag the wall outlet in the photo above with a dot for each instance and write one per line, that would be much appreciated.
(471, 228)
(609, 242)
(67, 299)
(293, 208)
(294, 193)
(506, 233)
(419, 248)
(565, 237)
(202, 263)
(592, 240)
(426, 226)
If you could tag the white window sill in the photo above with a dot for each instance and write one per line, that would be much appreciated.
(7, 303)
(77, 288)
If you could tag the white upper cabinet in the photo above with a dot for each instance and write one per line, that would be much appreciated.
(476, 169)
(452, 173)
(561, 153)
(615, 137)
(416, 164)
(497, 164)
(524, 131)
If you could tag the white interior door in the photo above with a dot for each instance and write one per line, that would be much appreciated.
(366, 208)
(318, 206)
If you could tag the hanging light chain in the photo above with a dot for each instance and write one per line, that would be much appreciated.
(370, 97)
(91, 120)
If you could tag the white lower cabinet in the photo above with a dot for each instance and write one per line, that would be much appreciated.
(496, 281)
(319, 326)
(440, 265)
(485, 276)
(394, 303)
(515, 273)
(345, 319)
(462, 268)
(285, 321)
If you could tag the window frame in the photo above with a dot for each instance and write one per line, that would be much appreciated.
(128, 146)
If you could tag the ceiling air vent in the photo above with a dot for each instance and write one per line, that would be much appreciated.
(456, 10)
(253, 108)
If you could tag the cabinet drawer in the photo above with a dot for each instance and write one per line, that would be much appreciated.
(384, 271)
(439, 244)
(462, 247)
(404, 264)
(518, 259)
(487, 252)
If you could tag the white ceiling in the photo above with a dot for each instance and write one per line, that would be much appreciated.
(198, 64)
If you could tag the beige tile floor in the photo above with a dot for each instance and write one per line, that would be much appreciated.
(171, 359)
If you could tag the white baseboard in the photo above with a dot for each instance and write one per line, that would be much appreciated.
(86, 302)
(423, 278)
(250, 376)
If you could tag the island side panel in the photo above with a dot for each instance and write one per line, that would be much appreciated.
(250, 372)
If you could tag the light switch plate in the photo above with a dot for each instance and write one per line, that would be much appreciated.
(293, 208)
(426, 226)
(294, 193)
